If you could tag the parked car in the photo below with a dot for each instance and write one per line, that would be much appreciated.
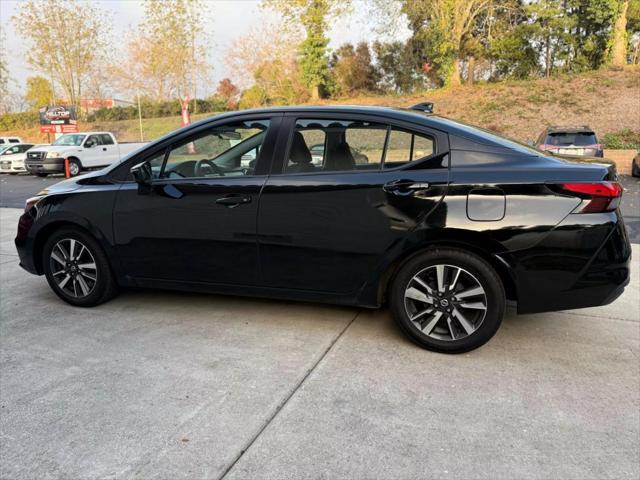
(444, 223)
(12, 158)
(84, 150)
(6, 140)
(570, 141)
(635, 165)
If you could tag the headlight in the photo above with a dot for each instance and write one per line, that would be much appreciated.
(31, 202)
(52, 154)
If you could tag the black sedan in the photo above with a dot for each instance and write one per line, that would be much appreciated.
(445, 222)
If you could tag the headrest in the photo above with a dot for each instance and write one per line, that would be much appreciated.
(300, 153)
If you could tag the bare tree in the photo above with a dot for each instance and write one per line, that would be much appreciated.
(166, 58)
(66, 41)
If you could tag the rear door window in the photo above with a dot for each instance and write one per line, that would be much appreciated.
(327, 145)
(106, 139)
(331, 145)
(405, 146)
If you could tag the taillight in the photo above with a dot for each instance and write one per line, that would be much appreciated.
(602, 196)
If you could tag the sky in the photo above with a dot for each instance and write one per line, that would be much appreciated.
(225, 20)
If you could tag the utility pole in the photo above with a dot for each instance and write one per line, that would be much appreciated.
(139, 116)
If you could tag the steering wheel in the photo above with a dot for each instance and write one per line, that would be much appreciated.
(206, 166)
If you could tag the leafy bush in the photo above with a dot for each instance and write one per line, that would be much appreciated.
(622, 140)
(155, 109)
(18, 121)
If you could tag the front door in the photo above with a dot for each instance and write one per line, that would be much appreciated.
(197, 222)
(348, 193)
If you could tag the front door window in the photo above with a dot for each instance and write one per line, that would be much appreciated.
(225, 151)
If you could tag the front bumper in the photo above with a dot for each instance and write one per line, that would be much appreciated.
(25, 244)
(46, 165)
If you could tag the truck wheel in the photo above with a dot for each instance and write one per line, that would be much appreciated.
(75, 167)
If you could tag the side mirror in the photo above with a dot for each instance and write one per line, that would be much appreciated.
(89, 144)
(142, 173)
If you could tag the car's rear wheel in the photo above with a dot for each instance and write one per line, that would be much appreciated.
(448, 300)
(77, 268)
(41, 174)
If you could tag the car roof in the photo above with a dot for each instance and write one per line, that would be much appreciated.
(407, 114)
(570, 129)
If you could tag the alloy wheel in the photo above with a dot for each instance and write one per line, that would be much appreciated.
(73, 268)
(445, 302)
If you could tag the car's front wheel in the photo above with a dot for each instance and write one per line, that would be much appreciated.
(448, 300)
(77, 268)
(75, 167)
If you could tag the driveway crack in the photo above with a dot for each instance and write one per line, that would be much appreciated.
(293, 391)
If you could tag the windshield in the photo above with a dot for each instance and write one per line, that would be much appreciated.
(71, 140)
(579, 139)
(3, 148)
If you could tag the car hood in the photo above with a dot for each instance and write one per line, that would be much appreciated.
(56, 148)
(71, 184)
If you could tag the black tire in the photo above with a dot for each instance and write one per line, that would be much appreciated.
(475, 270)
(75, 167)
(41, 174)
(102, 289)
(635, 168)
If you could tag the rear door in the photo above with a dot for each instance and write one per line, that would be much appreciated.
(109, 148)
(92, 153)
(345, 195)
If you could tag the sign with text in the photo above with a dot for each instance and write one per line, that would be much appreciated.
(58, 119)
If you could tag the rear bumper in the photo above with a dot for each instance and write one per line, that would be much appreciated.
(47, 165)
(584, 262)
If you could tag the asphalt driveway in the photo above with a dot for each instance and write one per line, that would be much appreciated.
(173, 385)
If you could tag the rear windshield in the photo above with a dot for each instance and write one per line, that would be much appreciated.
(579, 139)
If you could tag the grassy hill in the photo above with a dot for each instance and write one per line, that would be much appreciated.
(608, 101)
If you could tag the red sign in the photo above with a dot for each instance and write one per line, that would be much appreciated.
(185, 112)
(59, 128)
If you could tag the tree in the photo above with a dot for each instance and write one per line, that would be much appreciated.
(264, 63)
(39, 92)
(353, 69)
(398, 67)
(439, 29)
(619, 49)
(264, 43)
(633, 30)
(67, 41)
(4, 76)
(228, 93)
(312, 15)
(166, 58)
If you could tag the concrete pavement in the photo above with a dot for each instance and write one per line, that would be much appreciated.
(173, 385)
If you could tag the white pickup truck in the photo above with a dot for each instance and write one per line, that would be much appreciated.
(84, 150)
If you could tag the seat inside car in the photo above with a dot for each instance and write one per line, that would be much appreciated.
(339, 156)
(300, 156)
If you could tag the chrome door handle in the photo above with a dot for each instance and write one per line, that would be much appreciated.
(231, 201)
(404, 187)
